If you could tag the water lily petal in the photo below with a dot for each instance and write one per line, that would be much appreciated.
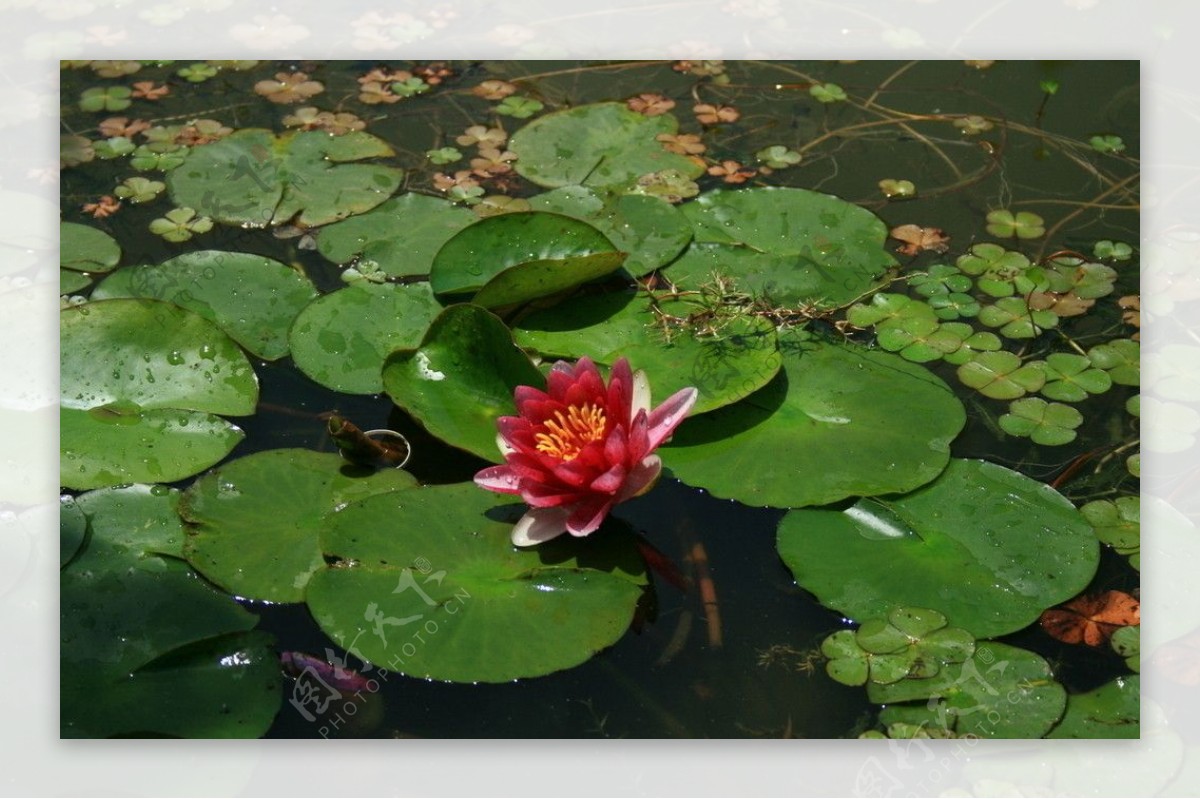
(610, 481)
(539, 525)
(641, 394)
(498, 478)
(541, 495)
(642, 478)
(620, 389)
(666, 417)
(587, 515)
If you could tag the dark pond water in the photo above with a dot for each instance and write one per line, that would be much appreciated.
(680, 672)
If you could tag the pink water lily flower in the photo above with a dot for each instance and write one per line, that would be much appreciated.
(581, 447)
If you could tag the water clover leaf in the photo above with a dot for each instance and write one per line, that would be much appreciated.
(141, 382)
(666, 184)
(227, 288)
(437, 562)
(1050, 424)
(1001, 375)
(443, 155)
(827, 398)
(254, 178)
(1107, 144)
(940, 279)
(74, 150)
(1118, 524)
(1016, 319)
(827, 92)
(113, 147)
(519, 107)
(886, 308)
(1127, 643)
(953, 306)
(971, 545)
(902, 189)
(602, 144)
(1120, 358)
(778, 156)
(105, 98)
(179, 224)
(1107, 250)
(1081, 278)
(1000, 272)
(1024, 224)
(254, 522)
(146, 158)
(910, 643)
(979, 341)
(198, 72)
(146, 648)
(973, 124)
(139, 190)
(411, 87)
(1071, 378)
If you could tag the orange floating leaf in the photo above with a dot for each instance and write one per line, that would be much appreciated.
(650, 105)
(1091, 620)
(918, 239)
(708, 114)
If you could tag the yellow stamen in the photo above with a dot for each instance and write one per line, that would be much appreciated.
(565, 436)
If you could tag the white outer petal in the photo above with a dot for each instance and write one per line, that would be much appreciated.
(539, 525)
(641, 394)
(505, 447)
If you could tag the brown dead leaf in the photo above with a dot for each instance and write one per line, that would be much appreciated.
(1092, 620)
(708, 114)
(1132, 304)
(1068, 304)
(917, 239)
(650, 105)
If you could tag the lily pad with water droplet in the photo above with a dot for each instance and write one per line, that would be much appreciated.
(889, 422)
(402, 235)
(140, 383)
(255, 178)
(651, 231)
(426, 582)
(822, 249)
(253, 523)
(341, 339)
(512, 258)
(733, 359)
(602, 144)
(1111, 711)
(985, 546)
(146, 648)
(252, 298)
(461, 378)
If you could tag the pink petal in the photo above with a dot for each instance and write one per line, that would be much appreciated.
(610, 481)
(641, 479)
(524, 395)
(620, 389)
(498, 478)
(503, 445)
(666, 417)
(574, 473)
(540, 495)
(539, 525)
(587, 516)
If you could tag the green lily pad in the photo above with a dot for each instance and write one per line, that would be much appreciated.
(1110, 711)
(252, 298)
(511, 258)
(461, 378)
(602, 144)
(427, 583)
(1050, 424)
(340, 340)
(140, 381)
(146, 648)
(987, 547)
(829, 251)
(73, 526)
(402, 235)
(255, 178)
(70, 282)
(254, 522)
(651, 231)
(733, 361)
(1001, 375)
(1071, 378)
(1127, 642)
(86, 249)
(890, 423)
(1000, 692)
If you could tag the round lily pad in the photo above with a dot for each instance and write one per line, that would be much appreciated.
(86, 249)
(255, 178)
(651, 231)
(1111, 711)
(1118, 524)
(727, 363)
(510, 258)
(987, 547)
(254, 522)
(140, 381)
(461, 378)
(252, 298)
(826, 251)
(889, 422)
(402, 235)
(146, 648)
(70, 282)
(603, 144)
(1000, 692)
(341, 339)
(427, 582)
